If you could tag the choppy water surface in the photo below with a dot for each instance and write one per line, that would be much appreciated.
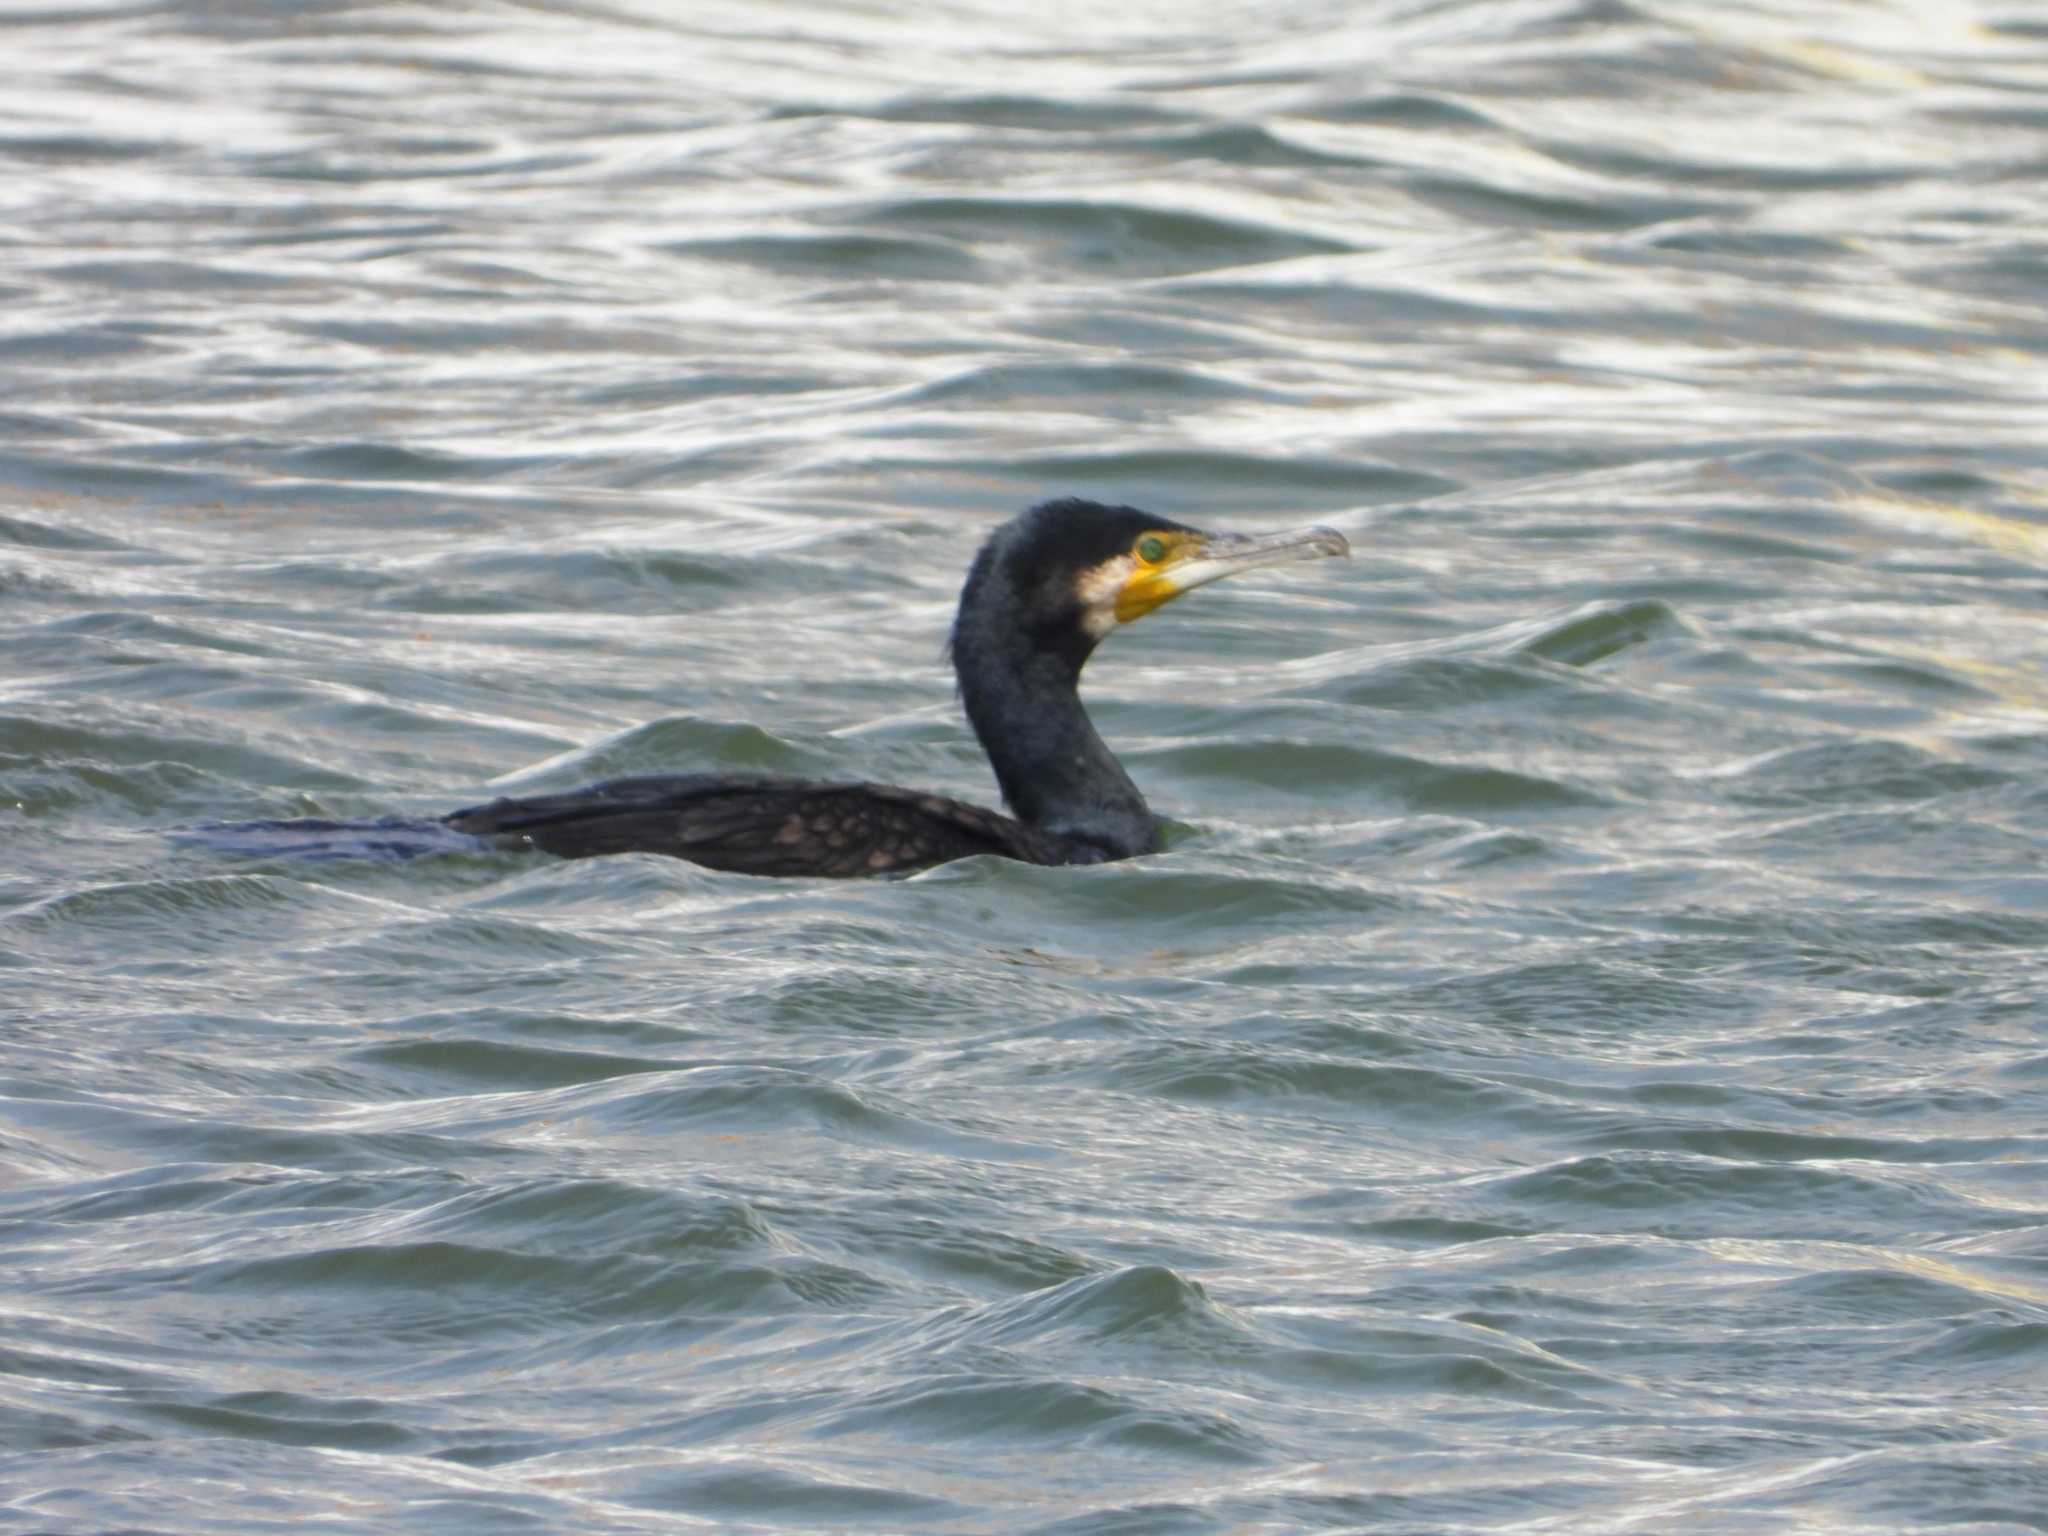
(1581, 1065)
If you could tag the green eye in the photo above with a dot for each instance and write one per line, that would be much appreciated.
(1151, 549)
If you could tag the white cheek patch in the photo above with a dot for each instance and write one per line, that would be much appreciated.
(1099, 589)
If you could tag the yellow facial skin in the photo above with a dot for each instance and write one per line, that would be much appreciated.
(1149, 581)
(1162, 565)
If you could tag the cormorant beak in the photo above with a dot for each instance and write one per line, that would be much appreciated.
(1196, 559)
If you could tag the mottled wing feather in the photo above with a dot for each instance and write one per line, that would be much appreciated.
(758, 825)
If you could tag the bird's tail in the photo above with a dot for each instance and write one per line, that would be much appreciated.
(387, 838)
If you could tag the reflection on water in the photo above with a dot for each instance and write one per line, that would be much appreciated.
(1580, 1057)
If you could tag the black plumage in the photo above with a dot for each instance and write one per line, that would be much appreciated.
(1044, 591)
(759, 825)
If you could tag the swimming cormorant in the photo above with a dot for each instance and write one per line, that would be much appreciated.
(1045, 589)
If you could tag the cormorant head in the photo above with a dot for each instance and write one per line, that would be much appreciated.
(1064, 574)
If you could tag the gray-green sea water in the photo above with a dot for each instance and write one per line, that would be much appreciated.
(1581, 1064)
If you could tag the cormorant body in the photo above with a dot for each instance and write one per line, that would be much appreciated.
(1045, 589)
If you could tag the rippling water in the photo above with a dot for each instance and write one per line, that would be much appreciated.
(1581, 1064)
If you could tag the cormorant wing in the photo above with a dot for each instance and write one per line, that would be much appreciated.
(758, 825)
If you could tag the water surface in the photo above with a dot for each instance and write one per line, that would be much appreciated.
(1580, 1063)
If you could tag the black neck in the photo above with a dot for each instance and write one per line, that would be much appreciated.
(1057, 776)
